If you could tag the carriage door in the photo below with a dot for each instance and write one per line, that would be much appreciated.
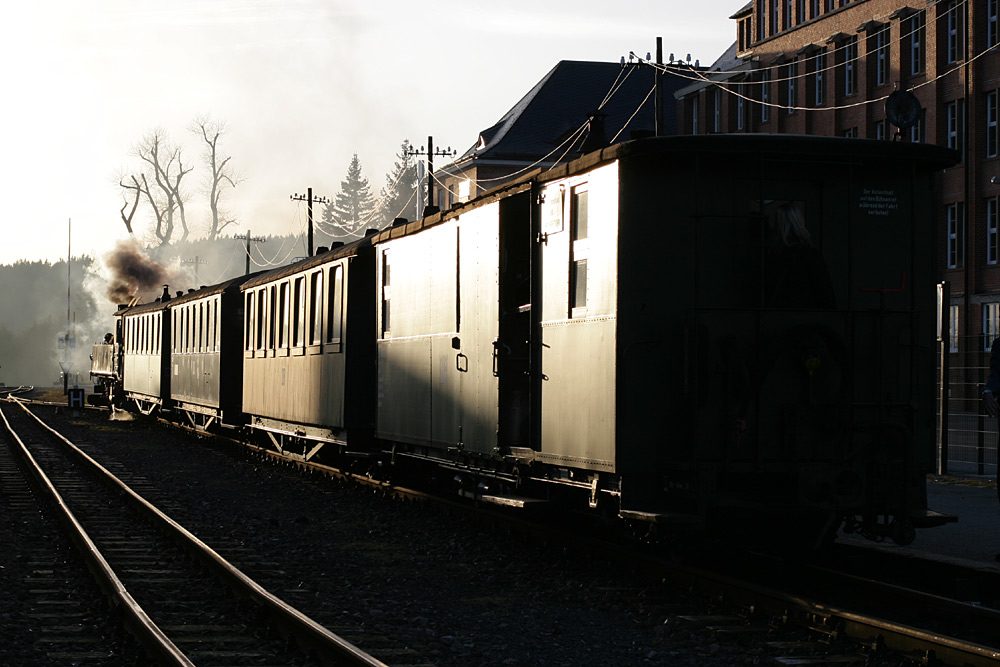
(473, 347)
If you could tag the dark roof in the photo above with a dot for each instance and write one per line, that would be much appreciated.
(561, 102)
(319, 259)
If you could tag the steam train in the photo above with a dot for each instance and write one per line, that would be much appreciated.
(708, 331)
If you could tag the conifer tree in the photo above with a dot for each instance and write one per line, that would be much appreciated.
(399, 193)
(353, 208)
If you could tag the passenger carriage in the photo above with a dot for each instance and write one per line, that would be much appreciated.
(206, 363)
(612, 329)
(308, 364)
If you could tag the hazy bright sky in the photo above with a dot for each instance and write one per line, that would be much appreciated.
(301, 84)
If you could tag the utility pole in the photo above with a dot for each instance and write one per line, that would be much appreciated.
(309, 199)
(196, 261)
(429, 154)
(658, 121)
(248, 238)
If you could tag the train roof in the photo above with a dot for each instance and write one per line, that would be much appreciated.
(346, 250)
(192, 295)
(788, 146)
(211, 290)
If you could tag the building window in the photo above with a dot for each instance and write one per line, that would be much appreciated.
(956, 229)
(992, 38)
(831, 5)
(992, 147)
(917, 30)
(788, 14)
(952, 28)
(991, 318)
(694, 114)
(881, 130)
(850, 133)
(851, 66)
(800, 15)
(579, 251)
(775, 4)
(814, 9)
(819, 67)
(765, 96)
(740, 113)
(991, 230)
(882, 56)
(761, 20)
(917, 133)
(791, 87)
(953, 128)
(386, 293)
(953, 328)
(717, 111)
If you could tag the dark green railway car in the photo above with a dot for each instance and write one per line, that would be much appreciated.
(145, 345)
(308, 355)
(686, 330)
(206, 366)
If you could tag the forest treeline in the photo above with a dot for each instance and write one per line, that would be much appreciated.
(33, 299)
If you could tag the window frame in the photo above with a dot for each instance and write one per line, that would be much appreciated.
(955, 229)
(992, 129)
(992, 232)
(579, 250)
(991, 323)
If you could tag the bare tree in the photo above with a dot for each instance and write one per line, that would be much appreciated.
(131, 190)
(221, 173)
(159, 184)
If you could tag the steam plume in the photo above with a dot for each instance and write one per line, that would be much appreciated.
(133, 272)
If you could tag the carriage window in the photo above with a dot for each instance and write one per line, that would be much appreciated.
(272, 316)
(283, 315)
(386, 293)
(213, 318)
(261, 320)
(579, 250)
(315, 308)
(250, 322)
(334, 305)
(299, 325)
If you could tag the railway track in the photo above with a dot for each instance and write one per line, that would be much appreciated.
(853, 597)
(183, 601)
(855, 606)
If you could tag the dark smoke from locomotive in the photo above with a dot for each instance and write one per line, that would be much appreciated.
(133, 273)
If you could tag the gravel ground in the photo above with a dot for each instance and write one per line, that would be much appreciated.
(454, 591)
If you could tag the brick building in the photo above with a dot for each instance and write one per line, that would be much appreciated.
(827, 66)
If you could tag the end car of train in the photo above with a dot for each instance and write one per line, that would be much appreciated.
(717, 331)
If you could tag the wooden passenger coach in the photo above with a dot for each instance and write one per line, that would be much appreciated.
(307, 351)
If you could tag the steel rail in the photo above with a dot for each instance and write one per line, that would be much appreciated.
(329, 647)
(154, 640)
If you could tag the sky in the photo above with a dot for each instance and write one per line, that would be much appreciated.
(301, 85)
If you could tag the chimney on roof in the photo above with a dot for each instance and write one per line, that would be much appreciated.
(596, 140)
(166, 293)
(320, 250)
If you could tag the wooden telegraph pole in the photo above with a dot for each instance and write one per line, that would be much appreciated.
(429, 154)
(308, 197)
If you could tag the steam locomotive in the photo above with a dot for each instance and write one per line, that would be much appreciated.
(707, 331)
